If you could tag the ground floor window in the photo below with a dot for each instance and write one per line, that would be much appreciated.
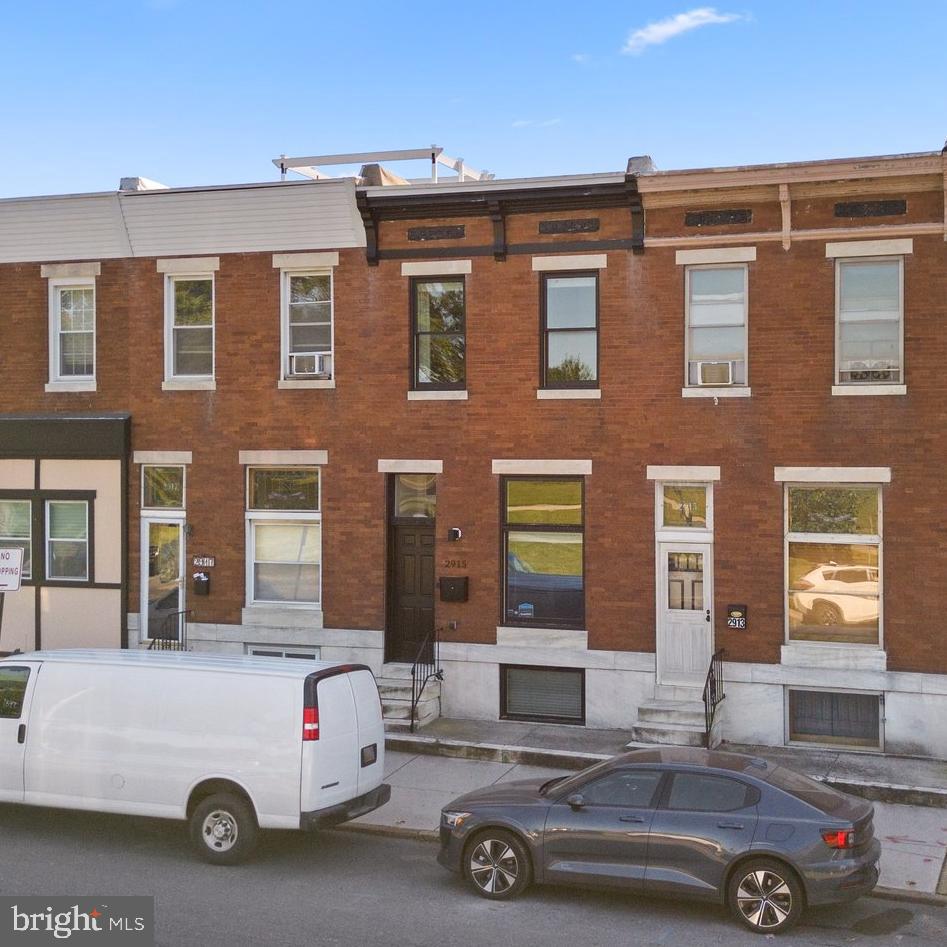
(839, 718)
(286, 561)
(552, 695)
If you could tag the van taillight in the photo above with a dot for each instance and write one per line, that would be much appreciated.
(310, 723)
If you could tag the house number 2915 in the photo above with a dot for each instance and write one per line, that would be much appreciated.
(454, 564)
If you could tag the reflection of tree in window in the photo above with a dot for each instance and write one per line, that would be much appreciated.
(571, 368)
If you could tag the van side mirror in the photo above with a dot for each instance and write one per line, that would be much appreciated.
(576, 800)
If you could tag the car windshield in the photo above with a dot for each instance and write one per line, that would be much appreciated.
(815, 794)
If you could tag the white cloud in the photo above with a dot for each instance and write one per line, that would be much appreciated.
(580, 58)
(662, 30)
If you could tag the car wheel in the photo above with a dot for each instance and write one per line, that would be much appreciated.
(498, 865)
(224, 829)
(766, 895)
(825, 613)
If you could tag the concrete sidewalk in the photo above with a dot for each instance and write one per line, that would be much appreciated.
(896, 779)
(913, 838)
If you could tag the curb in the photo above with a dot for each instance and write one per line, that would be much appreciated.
(568, 759)
(912, 897)
(392, 831)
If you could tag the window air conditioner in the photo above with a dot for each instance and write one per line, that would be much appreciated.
(715, 373)
(311, 364)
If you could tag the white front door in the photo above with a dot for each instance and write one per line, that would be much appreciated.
(684, 613)
(162, 578)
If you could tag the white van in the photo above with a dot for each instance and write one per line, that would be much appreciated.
(231, 744)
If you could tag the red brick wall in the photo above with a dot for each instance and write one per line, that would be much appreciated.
(791, 419)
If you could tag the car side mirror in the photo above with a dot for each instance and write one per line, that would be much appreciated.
(576, 800)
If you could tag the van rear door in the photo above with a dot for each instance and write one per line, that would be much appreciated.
(371, 730)
(330, 741)
(17, 683)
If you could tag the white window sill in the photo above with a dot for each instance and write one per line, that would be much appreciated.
(833, 655)
(736, 391)
(869, 389)
(189, 384)
(83, 385)
(568, 394)
(287, 383)
(437, 396)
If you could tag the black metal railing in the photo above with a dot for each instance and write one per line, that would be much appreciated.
(171, 634)
(713, 692)
(426, 667)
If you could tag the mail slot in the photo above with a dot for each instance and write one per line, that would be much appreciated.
(200, 583)
(453, 588)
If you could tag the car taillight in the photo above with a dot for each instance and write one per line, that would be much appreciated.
(310, 723)
(839, 839)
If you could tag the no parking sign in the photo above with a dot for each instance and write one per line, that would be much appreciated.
(11, 568)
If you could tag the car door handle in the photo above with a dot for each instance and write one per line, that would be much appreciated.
(630, 818)
(729, 825)
(21, 734)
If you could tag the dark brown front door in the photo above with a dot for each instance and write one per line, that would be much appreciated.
(411, 612)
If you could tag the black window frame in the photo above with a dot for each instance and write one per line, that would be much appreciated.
(540, 718)
(545, 331)
(506, 528)
(39, 529)
(26, 687)
(415, 282)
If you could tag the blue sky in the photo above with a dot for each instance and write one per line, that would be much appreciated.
(201, 92)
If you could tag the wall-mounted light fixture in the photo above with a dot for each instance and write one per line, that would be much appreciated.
(454, 533)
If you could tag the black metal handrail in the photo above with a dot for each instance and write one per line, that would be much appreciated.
(713, 692)
(172, 633)
(426, 667)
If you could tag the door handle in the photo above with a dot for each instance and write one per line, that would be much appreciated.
(708, 614)
(729, 825)
(21, 733)
(630, 818)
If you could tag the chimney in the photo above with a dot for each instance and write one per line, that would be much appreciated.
(640, 164)
(141, 184)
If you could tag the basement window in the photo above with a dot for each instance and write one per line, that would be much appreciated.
(549, 695)
(836, 718)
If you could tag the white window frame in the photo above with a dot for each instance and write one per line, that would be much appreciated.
(676, 534)
(869, 388)
(164, 510)
(841, 539)
(787, 720)
(288, 380)
(289, 517)
(48, 540)
(58, 381)
(171, 379)
(717, 389)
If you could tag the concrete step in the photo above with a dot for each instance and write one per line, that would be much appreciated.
(397, 709)
(427, 712)
(402, 689)
(687, 712)
(396, 671)
(670, 734)
(675, 692)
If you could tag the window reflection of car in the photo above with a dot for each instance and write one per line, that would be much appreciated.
(539, 595)
(832, 594)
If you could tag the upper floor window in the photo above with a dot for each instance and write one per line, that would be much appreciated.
(570, 330)
(72, 330)
(869, 321)
(307, 332)
(716, 336)
(162, 488)
(438, 316)
(833, 554)
(543, 536)
(189, 329)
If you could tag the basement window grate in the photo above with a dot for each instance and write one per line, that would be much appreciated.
(550, 695)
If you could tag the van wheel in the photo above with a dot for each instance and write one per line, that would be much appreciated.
(224, 829)
(766, 895)
(498, 865)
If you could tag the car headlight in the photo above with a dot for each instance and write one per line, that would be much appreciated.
(454, 820)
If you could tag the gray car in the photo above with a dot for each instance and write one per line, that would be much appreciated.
(675, 821)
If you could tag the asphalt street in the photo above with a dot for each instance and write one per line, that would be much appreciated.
(353, 889)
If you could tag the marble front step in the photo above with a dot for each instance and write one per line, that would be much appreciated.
(687, 712)
(669, 734)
